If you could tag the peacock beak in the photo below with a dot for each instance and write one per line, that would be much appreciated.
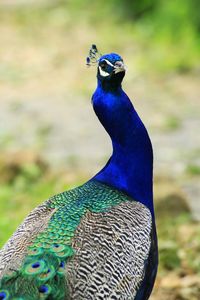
(119, 67)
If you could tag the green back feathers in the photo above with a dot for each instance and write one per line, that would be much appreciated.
(42, 274)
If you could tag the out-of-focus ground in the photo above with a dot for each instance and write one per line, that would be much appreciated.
(51, 139)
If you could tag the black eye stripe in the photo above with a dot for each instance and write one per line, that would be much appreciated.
(103, 65)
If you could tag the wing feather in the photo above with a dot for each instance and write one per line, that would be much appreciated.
(111, 251)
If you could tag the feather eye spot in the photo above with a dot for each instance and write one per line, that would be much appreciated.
(35, 251)
(57, 248)
(62, 264)
(44, 289)
(4, 295)
(47, 275)
(35, 268)
(36, 265)
(61, 268)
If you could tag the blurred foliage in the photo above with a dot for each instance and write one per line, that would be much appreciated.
(169, 257)
(168, 32)
(193, 170)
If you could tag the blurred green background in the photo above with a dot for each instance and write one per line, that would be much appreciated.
(50, 138)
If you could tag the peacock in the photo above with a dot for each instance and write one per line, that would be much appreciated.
(97, 241)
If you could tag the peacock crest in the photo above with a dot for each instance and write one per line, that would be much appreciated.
(93, 57)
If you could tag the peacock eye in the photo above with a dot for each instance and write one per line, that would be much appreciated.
(103, 65)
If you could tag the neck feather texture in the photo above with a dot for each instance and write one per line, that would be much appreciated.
(130, 167)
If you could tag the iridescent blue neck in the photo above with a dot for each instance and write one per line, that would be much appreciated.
(130, 167)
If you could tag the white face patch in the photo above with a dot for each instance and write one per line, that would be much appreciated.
(103, 73)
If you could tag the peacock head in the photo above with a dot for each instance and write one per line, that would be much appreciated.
(110, 69)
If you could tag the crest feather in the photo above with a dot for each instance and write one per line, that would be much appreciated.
(93, 56)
